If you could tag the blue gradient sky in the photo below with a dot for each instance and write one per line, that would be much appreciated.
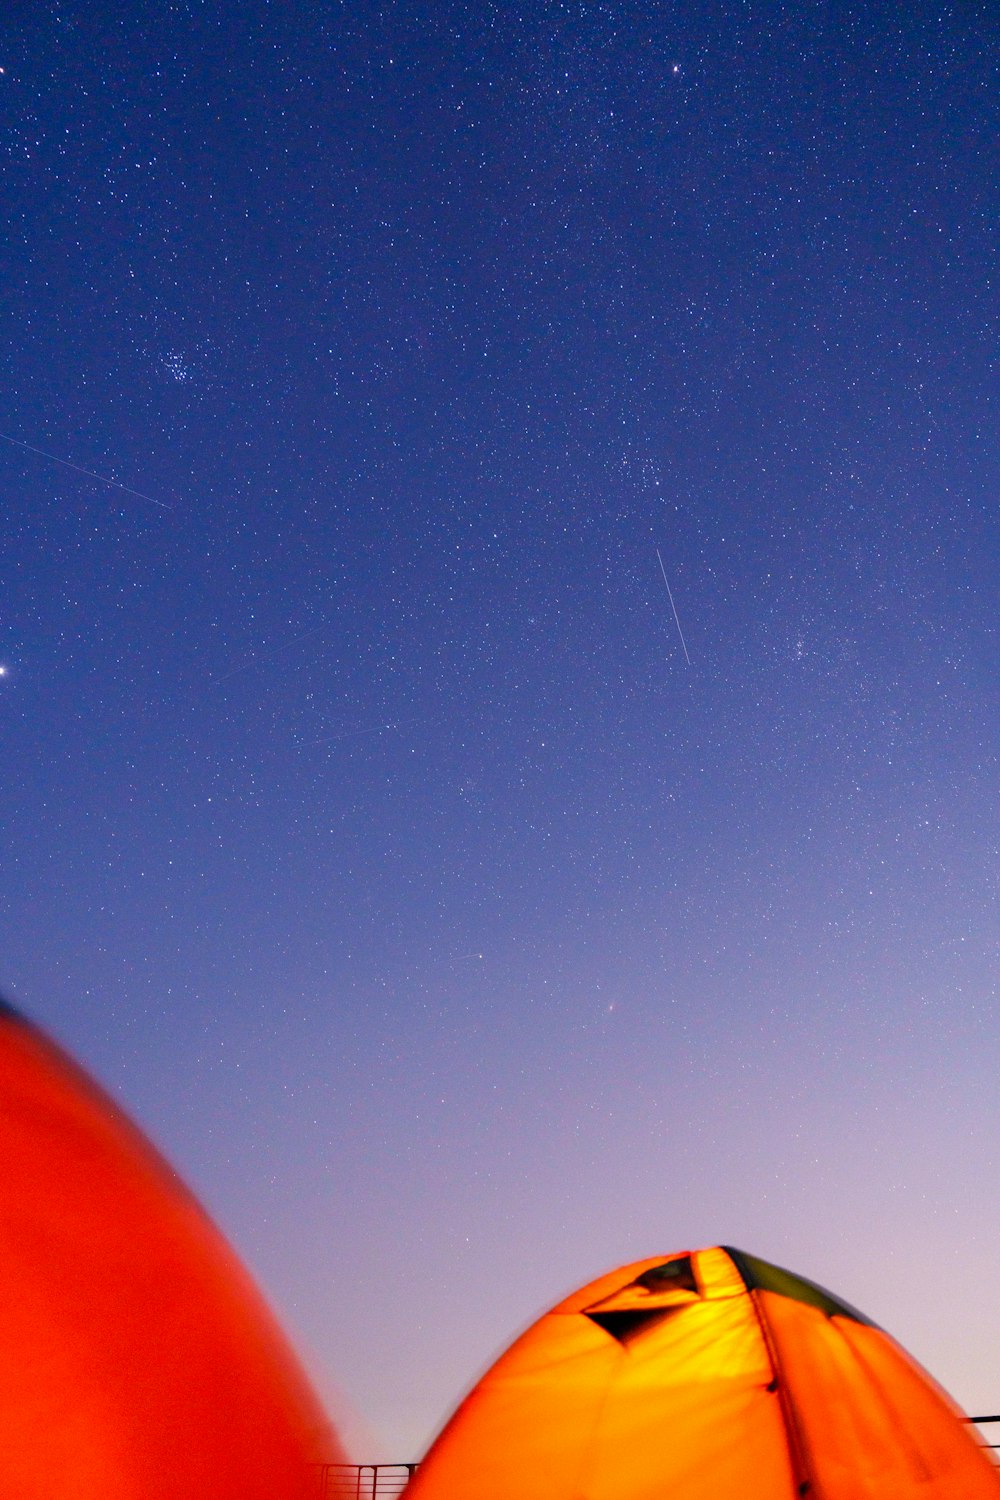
(365, 829)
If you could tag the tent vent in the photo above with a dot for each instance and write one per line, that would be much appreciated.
(626, 1323)
(675, 1275)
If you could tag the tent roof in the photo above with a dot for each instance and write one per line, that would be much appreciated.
(706, 1375)
(137, 1359)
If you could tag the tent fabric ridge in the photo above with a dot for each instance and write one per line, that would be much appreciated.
(761, 1275)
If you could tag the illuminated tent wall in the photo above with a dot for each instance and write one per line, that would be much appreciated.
(709, 1375)
(137, 1361)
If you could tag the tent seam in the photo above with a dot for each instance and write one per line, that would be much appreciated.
(801, 1475)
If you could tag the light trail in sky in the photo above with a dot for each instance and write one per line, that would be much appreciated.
(259, 657)
(673, 606)
(79, 469)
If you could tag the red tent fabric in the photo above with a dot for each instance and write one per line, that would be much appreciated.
(137, 1360)
(706, 1375)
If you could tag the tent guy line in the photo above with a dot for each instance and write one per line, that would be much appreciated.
(79, 469)
(673, 606)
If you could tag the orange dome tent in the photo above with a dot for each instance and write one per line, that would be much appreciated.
(707, 1375)
(137, 1361)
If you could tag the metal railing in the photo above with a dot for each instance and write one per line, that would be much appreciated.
(362, 1481)
(985, 1422)
(388, 1481)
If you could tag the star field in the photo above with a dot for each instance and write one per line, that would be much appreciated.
(365, 826)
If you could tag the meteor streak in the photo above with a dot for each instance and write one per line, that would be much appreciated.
(101, 478)
(673, 606)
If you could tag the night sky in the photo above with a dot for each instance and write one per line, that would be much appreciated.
(365, 828)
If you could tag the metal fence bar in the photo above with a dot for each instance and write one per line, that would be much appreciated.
(388, 1481)
(362, 1481)
(982, 1421)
